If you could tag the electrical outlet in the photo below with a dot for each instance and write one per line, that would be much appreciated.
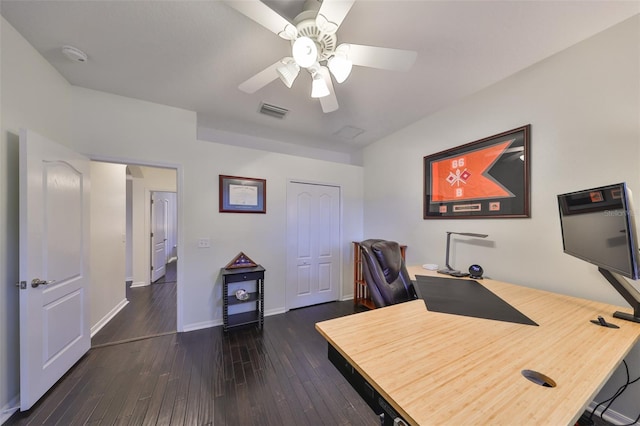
(204, 243)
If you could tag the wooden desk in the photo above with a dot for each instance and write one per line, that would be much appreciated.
(436, 368)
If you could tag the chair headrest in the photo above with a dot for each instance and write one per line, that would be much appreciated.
(389, 257)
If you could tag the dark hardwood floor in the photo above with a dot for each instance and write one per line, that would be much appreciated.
(278, 376)
(151, 311)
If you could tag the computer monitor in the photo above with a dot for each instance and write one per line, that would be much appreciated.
(598, 226)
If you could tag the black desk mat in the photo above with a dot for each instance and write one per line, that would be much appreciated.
(466, 297)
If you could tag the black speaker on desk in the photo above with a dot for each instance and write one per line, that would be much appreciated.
(475, 272)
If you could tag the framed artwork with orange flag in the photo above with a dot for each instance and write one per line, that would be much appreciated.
(487, 178)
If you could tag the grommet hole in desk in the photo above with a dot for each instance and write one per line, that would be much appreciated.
(539, 378)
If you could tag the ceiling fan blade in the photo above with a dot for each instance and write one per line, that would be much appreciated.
(265, 16)
(381, 57)
(328, 103)
(331, 14)
(261, 79)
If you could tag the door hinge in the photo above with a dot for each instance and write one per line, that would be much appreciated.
(152, 267)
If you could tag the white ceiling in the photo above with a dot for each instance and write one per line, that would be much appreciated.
(194, 54)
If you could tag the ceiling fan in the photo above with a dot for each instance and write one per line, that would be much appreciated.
(314, 47)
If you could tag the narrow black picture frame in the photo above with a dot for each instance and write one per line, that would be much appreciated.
(242, 194)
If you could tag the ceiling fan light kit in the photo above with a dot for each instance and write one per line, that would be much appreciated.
(339, 64)
(319, 88)
(313, 44)
(288, 71)
(305, 52)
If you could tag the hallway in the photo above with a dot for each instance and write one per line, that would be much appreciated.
(151, 311)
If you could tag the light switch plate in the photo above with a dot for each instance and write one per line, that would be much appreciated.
(204, 243)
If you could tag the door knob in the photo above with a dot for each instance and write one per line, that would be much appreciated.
(37, 281)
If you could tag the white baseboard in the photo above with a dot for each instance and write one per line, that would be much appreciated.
(217, 322)
(108, 317)
(201, 325)
(9, 408)
(274, 312)
(139, 284)
(611, 416)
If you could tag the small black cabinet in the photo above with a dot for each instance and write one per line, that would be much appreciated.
(255, 297)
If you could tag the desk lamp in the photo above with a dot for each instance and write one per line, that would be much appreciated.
(450, 270)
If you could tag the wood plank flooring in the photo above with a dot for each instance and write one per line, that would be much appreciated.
(151, 311)
(278, 376)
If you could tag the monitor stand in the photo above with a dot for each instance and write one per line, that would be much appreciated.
(626, 290)
(626, 316)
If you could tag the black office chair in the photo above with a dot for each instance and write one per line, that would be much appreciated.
(385, 273)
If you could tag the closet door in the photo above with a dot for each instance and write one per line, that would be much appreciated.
(313, 241)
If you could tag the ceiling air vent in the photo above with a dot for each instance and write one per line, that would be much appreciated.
(273, 111)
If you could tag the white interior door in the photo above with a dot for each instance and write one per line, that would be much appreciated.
(159, 207)
(54, 263)
(171, 221)
(313, 237)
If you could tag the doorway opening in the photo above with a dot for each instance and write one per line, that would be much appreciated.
(150, 290)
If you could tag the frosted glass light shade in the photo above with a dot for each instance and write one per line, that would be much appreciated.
(288, 71)
(319, 87)
(305, 52)
(340, 66)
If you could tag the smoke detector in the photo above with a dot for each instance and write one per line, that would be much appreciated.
(74, 54)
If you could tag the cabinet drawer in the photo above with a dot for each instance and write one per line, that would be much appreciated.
(249, 276)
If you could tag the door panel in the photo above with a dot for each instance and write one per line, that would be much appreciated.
(303, 282)
(313, 235)
(57, 317)
(324, 277)
(54, 248)
(324, 223)
(303, 231)
(158, 237)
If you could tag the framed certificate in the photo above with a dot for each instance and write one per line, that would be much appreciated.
(242, 194)
(488, 178)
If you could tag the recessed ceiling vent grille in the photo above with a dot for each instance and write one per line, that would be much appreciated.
(273, 111)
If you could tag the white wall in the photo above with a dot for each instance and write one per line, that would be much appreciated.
(582, 104)
(584, 108)
(34, 96)
(114, 128)
(108, 203)
(139, 132)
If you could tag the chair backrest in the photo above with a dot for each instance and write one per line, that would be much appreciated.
(385, 272)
